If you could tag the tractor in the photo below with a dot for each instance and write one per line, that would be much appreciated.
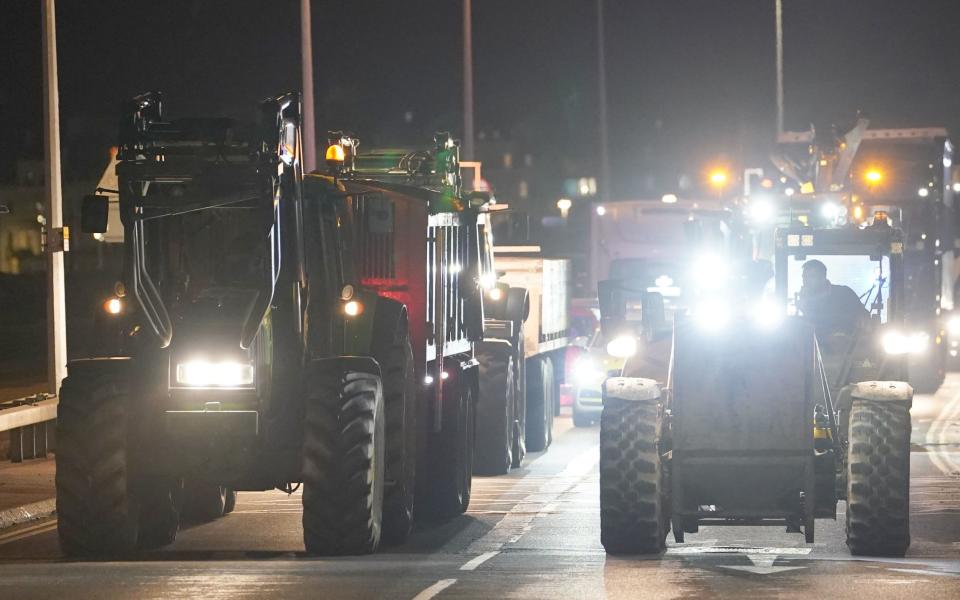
(763, 418)
(270, 329)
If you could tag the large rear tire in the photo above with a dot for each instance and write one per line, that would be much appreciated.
(447, 490)
(160, 506)
(495, 409)
(520, 402)
(343, 464)
(633, 518)
(400, 406)
(878, 479)
(97, 511)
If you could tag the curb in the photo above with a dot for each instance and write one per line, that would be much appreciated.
(28, 512)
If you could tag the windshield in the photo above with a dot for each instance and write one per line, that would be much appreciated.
(193, 254)
(867, 276)
(671, 226)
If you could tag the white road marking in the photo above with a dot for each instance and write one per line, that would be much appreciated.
(434, 589)
(476, 561)
(937, 437)
(519, 520)
(762, 565)
(924, 572)
(748, 550)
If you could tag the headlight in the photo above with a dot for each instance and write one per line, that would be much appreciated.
(712, 315)
(896, 342)
(226, 374)
(953, 325)
(113, 306)
(622, 346)
(587, 372)
(488, 280)
(710, 271)
(768, 314)
(761, 212)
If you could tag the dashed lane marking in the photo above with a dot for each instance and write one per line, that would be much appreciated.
(517, 521)
(476, 561)
(938, 434)
(434, 589)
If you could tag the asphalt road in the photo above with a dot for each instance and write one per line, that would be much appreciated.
(532, 534)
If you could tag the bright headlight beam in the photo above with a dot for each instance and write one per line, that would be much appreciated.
(710, 271)
(712, 315)
(587, 372)
(768, 314)
(896, 342)
(761, 212)
(622, 346)
(953, 325)
(225, 374)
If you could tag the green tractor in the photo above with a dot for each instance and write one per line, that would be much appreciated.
(264, 336)
(763, 420)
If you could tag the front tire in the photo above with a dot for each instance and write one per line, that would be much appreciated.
(343, 464)
(878, 479)
(633, 515)
(97, 511)
(400, 406)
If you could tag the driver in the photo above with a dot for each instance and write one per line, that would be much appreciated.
(831, 308)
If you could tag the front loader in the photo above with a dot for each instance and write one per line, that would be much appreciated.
(763, 420)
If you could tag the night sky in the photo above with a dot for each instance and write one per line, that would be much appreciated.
(690, 81)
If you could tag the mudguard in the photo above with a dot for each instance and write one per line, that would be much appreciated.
(343, 364)
(98, 366)
(631, 389)
(875, 391)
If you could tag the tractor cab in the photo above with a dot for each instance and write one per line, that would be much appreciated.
(858, 312)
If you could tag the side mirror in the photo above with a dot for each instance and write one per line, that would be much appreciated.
(379, 214)
(4, 209)
(93, 214)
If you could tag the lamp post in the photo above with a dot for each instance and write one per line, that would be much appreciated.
(309, 145)
(602, 100)
(56, 305)
(778, 10)
(468, 80)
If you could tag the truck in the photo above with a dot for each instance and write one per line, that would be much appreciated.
(526, 333)
(673, 244)
(274, 329)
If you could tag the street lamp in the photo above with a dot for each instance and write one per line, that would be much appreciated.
(719, 178)
(564, 205)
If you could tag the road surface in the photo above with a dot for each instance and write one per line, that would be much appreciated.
(532, 534)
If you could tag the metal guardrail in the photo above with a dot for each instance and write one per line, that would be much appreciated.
(27, 420)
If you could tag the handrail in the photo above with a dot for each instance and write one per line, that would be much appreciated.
(28, 411)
